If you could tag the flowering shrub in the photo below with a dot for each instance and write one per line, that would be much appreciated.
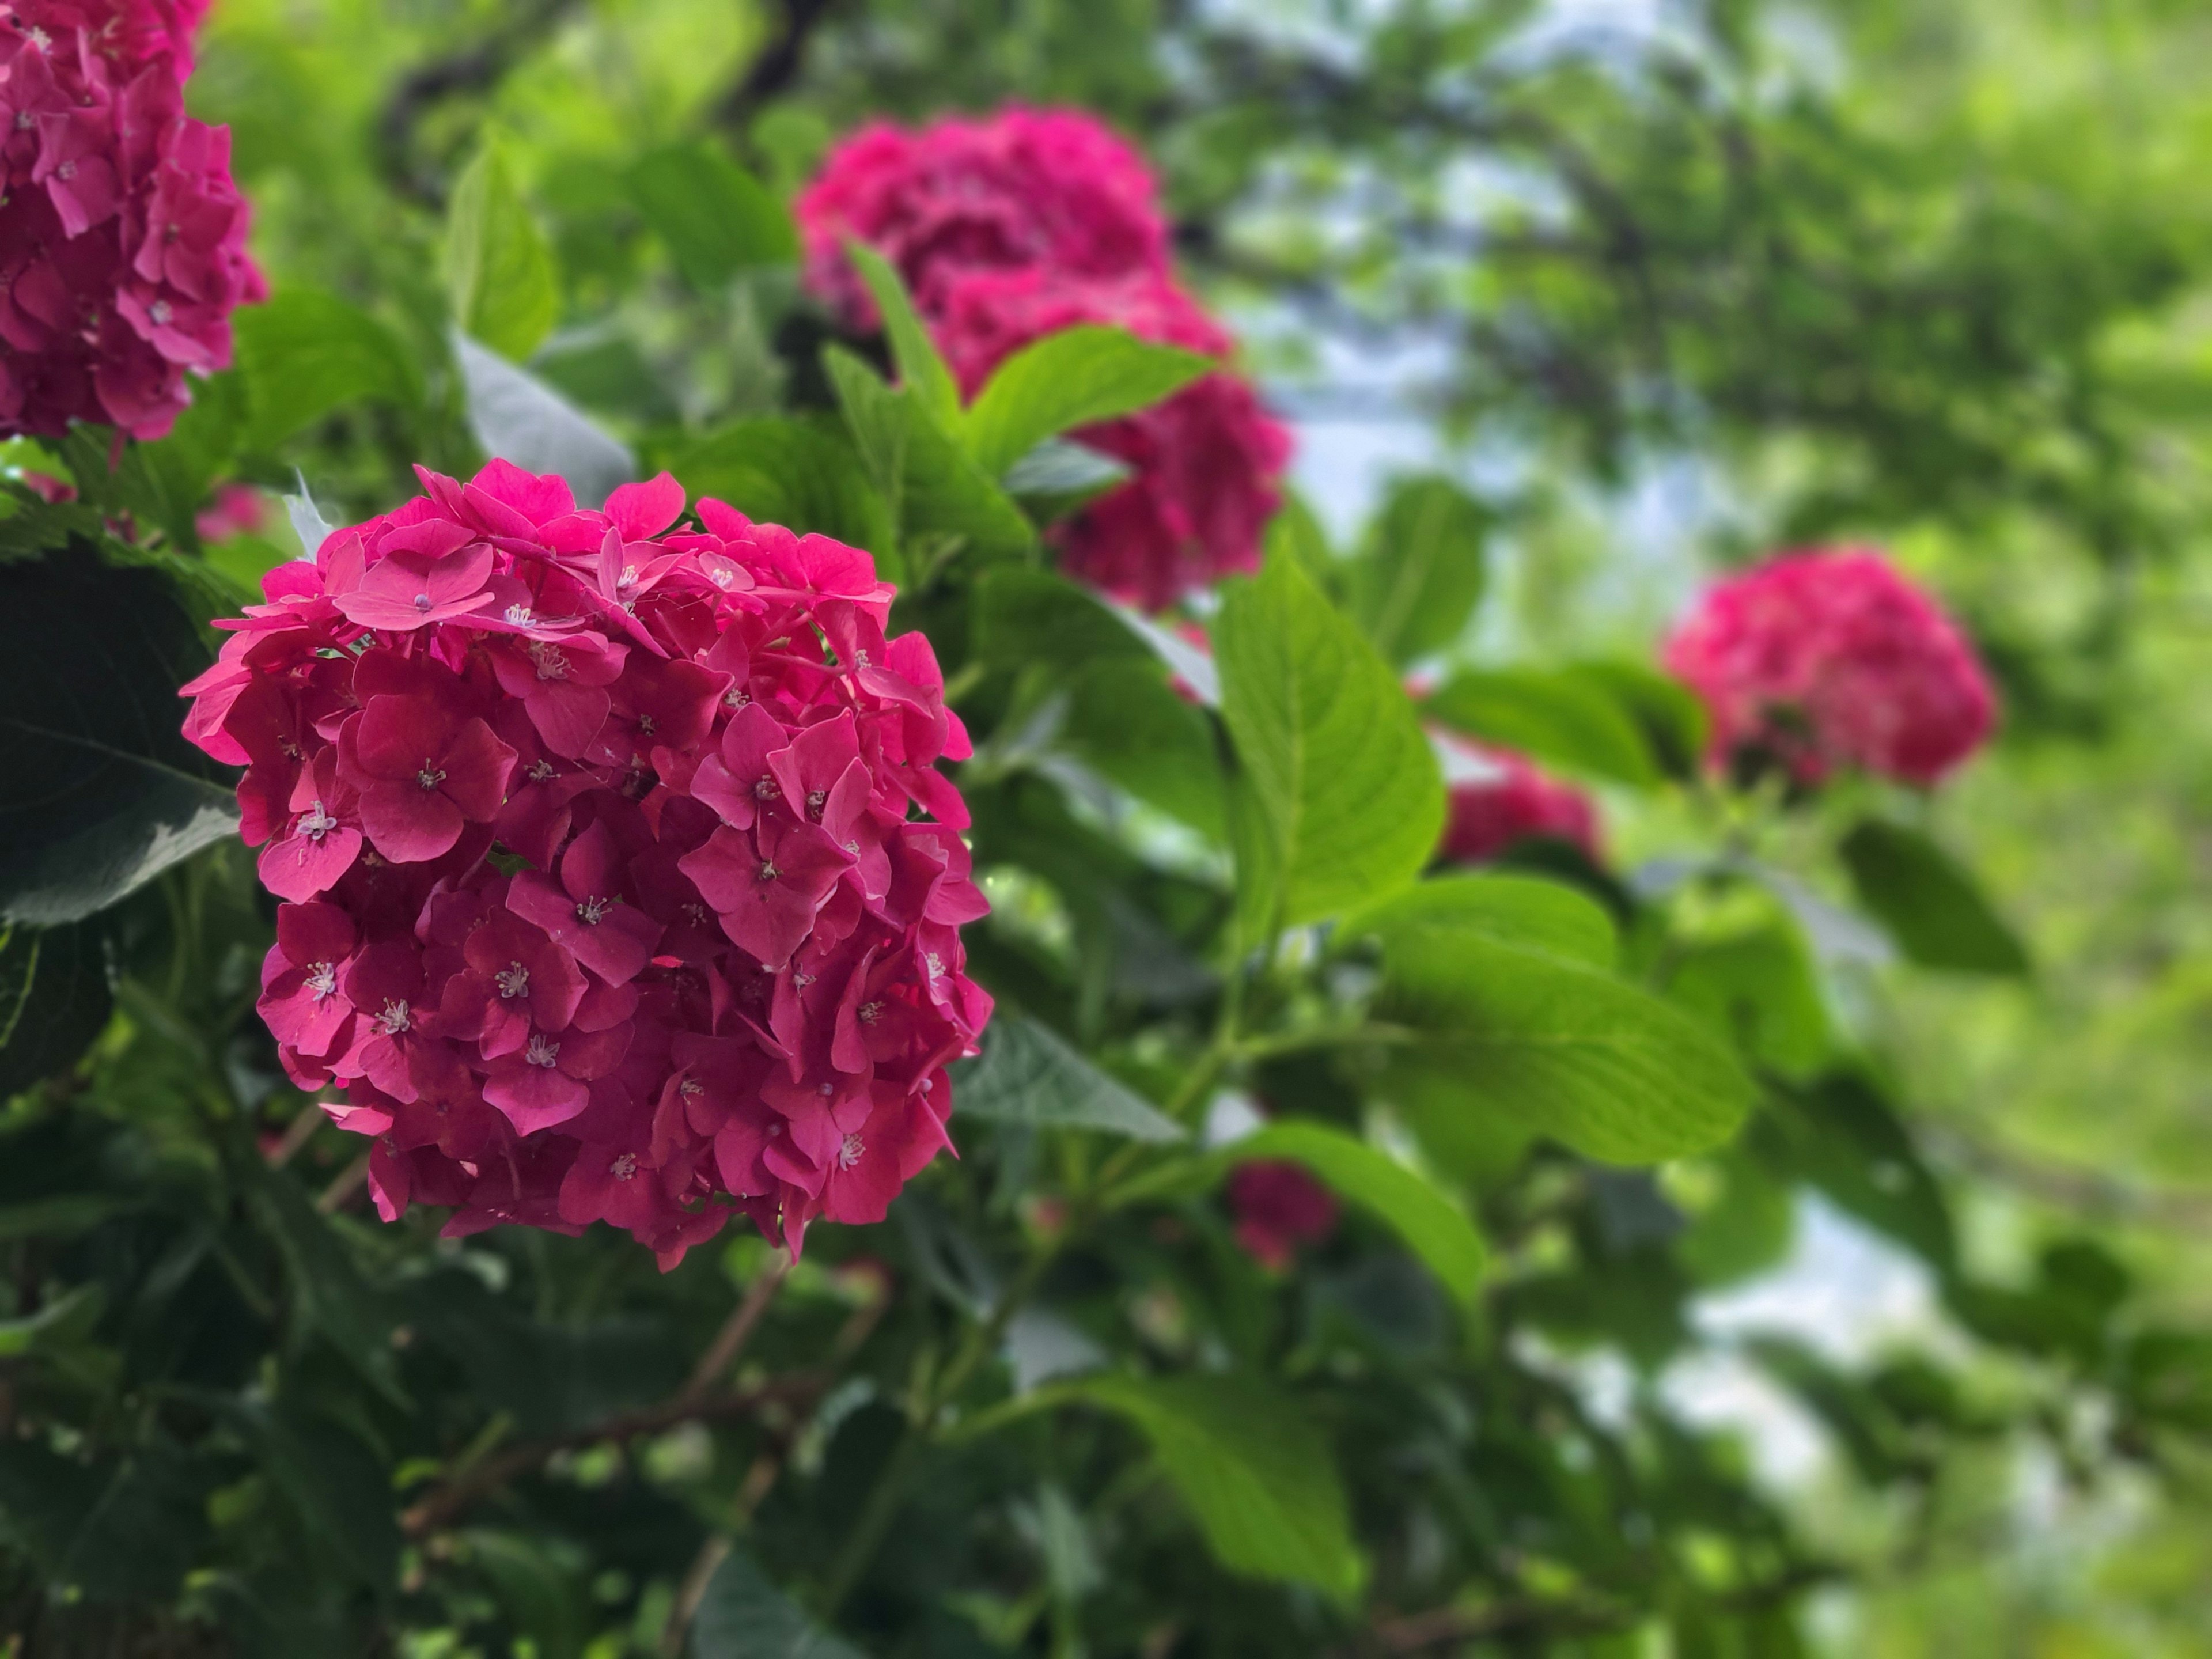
(1486, 815)
(1029, 224)
(1279, 1206)
(1819, 660)
(122, 237)
(603, 900)
(1027, 189)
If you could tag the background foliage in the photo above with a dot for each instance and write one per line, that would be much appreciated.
(1637, 290)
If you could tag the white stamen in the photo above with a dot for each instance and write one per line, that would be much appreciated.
(323, 979)
(590, 911)
(552, 663)
(764, 788)
(769, 872)
(541, 1050)
(815, 800)
(540, 769)
(395, 1019)
(735, 697)
(871, 1012)
(849, 1153)
(314, 823)
(518, 616)
(623, 1167)
(691, 1088)
(429, 777)
(646, 726)
(513, 981)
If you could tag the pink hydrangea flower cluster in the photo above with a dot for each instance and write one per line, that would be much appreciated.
(1279, 1206)
(1031, 222)
(122, 236)
(1026, 189)
(1827, 659)
(605, 897)
(1486, 817)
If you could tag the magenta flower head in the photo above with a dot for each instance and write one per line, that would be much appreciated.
(621, 884)
(122, 236)
(1207, 463)
(1022, 189)
(1516, 801)
(1278, 1207)
(1820, 660)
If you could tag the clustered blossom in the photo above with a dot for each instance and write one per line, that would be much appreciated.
(1278, 1207)
(1516, 801)
(1821, 660)
(604, 896)
(1029, 223)
(122, 236)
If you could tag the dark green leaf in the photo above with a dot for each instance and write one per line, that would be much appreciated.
(1928, 902)
(798, 472)
(1127, 724)
(306, 353)
(118, 1528)
(1338, 800)
(499, 279)
(1673, 722)
(923, 372)
(1027, 1075)
(1420, 573)
(1071, 379)
(99, 790)
(714, 216)
(54, 999)
(1024, 617)
(743, 1616)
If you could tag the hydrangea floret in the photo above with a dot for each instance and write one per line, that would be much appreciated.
(620, 882)
(1516, 801)
(1279, 1206)
(122, 236)
(1821, 660)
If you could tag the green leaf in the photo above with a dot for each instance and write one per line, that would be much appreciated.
(743, 1616)
(1928, 902)
(1433, 1227)
(1554, 715)
(1126, 723)
(923, 372)
(1026, 1074)
(1551, 1044)
(306, 353)
(715, 217)
(800, 471)
(1673, 722)
(1254, 1471)
(933, 487)
(1757, 988)
(499, 279)
(54, 999)
(1841, 1135)
(116, 1528)
(1297, 533)
(1523, 911)
(1023, 615)
(1075, 378)
(1421, 571)
(99, 790)
(1339, 800)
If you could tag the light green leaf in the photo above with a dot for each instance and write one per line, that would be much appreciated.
(921, 371)
(1127, 724)
(1523, 911)
(743, 1616)
(1027, 1075)
(500, 278)
(306, 353)
(1433, 1227)
(1339, 801)
(1928, 902)
(1549, 1044)
(517, 417)
(1552, 715)
(1071, 379)
(99, 790)
(1673, 722)
(1421, 570)
(1254, 1471)
(714, 215)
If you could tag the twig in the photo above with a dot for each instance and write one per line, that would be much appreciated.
(347, 1182)
(778, 65)
(448, 1502)
(730, 1341)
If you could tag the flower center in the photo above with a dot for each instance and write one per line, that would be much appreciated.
(396, 1017)
(423, 603)
(541, 1050)
(933, 963)
(591, 911)
(696, 914)
(67, 170)
(646, 726)
(514, 980)
(691, 1088)
(315, 824)
(735, 697)
(871, 1012)
(764, 788)
(322, 979)
(849, 1153)
(859, 659)
(769, 872)
(551, 662)
(518, 616)
(623, 1167)
(815, 800)
(429, 777)
(540, 769)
